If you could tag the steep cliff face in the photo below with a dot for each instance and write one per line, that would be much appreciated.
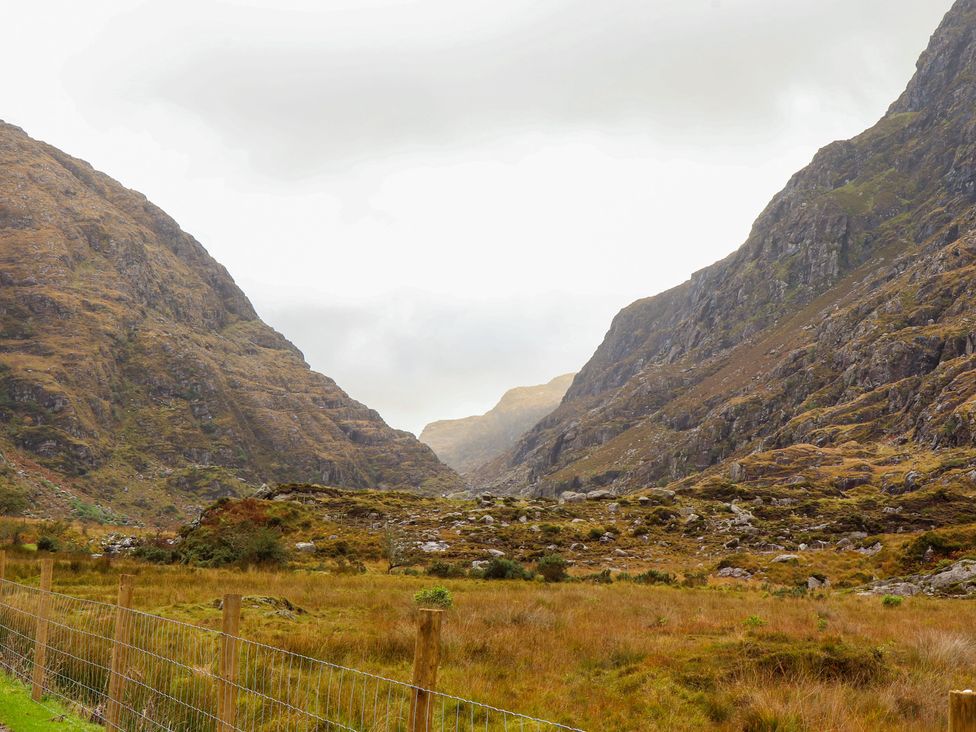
(135, 373)
(467, 443)
(844, 316)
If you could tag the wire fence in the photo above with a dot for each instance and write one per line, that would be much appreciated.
(130, 670)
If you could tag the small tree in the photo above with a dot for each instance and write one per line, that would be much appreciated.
(396, 551)
(13, 501)
(552, 567)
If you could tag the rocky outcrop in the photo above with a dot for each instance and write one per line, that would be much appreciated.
(956, 580)
(468, 443)
(846, 315)
(135, 370)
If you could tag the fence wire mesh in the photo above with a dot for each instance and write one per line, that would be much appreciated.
(176, 676)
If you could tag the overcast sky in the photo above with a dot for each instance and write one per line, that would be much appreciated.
(437, 200)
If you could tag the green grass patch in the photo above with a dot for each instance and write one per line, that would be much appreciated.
(21, 714)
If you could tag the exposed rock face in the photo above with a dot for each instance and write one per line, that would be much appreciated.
(467, 443)
(133, 369)
(847, 315)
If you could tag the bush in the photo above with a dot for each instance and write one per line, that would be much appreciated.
(47, 544)
(930, 544)
(892, 601)
(501, 568)
(243, 543)
(754, 621)
(445, 570)
(601, 578)
(13, 501)
(155, 554)
(654, 577)
(552, 567)
(437, 597)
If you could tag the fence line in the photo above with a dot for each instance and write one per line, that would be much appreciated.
(130, 670)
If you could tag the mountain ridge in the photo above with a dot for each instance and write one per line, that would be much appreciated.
(467, 443)
(699, 376)
(133, 369)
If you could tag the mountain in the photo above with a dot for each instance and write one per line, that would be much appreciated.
(467, 443)
(136, 378)
(833, 349)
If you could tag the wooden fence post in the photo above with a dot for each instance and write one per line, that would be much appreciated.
(426, 658)
(227, 684)
(3, 565)
(962, 711)
(40, 633)
(120, 651)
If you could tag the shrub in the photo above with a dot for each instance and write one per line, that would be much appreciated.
(13, 501)
(654, 577)
(501, 568)
(243, 543)
(892, 601)
(694, 579)
(552, 567)
(930, 544)
(754, 621)
(155, 554)
(661, 515)
(47, 544)
(438, 597)
(601, 578)
(445, 570)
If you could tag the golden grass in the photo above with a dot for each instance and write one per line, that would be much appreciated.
(608, 657)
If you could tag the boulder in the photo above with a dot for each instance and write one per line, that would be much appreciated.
(816, 582)
(431, 547)
(734, 573)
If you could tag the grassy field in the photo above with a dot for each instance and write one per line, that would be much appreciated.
(603, 657)
(20, 714)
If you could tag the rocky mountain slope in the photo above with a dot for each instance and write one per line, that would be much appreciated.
(136, 378)
(834, 349)
(467, 443)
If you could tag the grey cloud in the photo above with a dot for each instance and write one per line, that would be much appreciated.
(680, 70)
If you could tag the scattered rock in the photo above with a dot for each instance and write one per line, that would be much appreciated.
(870, 551)
(431, 547)
(734, 573)
(786, 558)
(957, 580)
(305, 546)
